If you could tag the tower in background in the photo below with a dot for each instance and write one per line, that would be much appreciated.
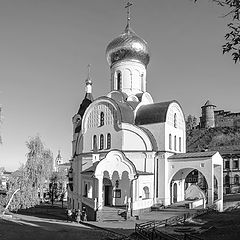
(57, 161)
(207, 120)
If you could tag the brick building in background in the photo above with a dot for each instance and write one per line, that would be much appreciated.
(218, 118)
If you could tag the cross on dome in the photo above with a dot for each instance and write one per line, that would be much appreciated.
(128, 6)
(88, 80)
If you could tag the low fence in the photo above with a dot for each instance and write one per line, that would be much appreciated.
(149, 230)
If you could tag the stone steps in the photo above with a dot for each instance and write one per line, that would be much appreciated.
(111, 214)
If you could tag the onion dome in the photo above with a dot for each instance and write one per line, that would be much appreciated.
(128, 46)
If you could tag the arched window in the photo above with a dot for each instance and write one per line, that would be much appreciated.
(236, 179)
(94, 145)
(170, 141)
(175, 120)
(108, 141)
(101, 119)
(180, 144)
(145, 192)
(89, 195)
(227, 163)
(175, 143)
(119, 80)
(85, 194)
(101, 142)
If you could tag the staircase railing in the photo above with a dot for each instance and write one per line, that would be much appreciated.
(148, 231)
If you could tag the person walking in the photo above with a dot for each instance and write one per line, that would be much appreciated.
(78, 216)
(84, 214)
(69, 215)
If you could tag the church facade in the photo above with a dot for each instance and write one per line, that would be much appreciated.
(130, 152)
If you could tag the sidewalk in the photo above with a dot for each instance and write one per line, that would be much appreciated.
(58, 215)
(128, 226)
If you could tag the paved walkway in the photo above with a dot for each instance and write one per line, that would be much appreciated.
(123, 227)
(127, 227)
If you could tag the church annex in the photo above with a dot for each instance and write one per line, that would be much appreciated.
(129, 152)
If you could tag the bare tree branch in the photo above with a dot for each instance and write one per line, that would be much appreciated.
(232, 37)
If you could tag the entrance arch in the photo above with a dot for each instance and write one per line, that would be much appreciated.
(115, 175)
(180, 185)
(209, 163)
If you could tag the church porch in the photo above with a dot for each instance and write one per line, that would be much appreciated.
(209, 165)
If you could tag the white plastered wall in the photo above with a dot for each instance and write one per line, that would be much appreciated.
(124, 136)
(133, 77)
(175, 127)
(208, 166)
(140, 201)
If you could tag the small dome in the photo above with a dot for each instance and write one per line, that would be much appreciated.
(128, 46)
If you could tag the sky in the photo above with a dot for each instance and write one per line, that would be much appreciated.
(45, 47)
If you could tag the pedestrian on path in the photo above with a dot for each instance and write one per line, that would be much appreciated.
(78, 216)
(69, 215)
(84, 214)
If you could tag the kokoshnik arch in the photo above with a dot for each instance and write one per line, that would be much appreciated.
(129, 151)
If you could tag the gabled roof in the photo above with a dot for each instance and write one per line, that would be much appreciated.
(85, 103)
(90, 169)
(152, 113)
(88, 99)
(193, 155)
(229, 153)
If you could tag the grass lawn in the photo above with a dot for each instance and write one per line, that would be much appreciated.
(47, 222)
(225, 225)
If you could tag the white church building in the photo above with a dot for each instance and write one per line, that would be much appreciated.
(129, 152)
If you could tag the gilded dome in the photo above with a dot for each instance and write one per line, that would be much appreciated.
(128, 46)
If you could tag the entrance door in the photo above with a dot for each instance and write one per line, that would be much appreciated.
(108, 195)
(174, 192)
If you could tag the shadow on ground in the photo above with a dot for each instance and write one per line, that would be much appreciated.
(18, 229)
(45, 211)
(49, 222)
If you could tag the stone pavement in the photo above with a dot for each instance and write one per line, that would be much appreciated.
(128, 226)
(45, 216)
